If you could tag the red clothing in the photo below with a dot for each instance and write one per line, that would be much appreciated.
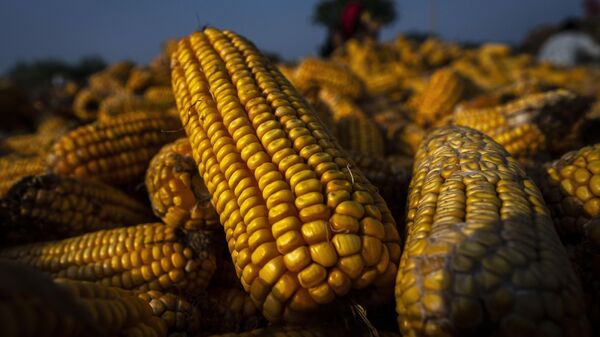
(350, 18)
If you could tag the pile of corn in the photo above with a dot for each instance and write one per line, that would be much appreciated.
(216, 193)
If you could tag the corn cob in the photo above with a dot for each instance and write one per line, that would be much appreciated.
(116, 151)
(178, 314)
(161, 95)
(86, 104)
(120, 70)
(141, 258)
(33, 305)
(359, 134)
(572, 190)
(228, 310)
(528, 125)
(326, 74)
(481, 256)
(14, 168)
(139, 80)
(54, 206)
(176, 190)
(38, 143)
(301, 231)
(121, 104)
(445, 89)
(116, 312)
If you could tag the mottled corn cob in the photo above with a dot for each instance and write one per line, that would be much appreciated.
(359, 134)
(33, 305)
(528, 125)
(302, 230)
(116, 151)
(44, 207)
(178, 314)
(143, 257)
(228, 310)
(176, 190)
(14, 168)
(481, 256)
(571, 187)
(445, 89)
(87, 103)
(326, 74)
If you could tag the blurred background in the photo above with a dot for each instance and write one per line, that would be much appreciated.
(93, 31)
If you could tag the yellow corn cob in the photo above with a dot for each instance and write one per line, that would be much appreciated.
(445, 89)
(114, 311)
(161, 95)
(120, 70)
(40, 142)
(528, 125)
(143, 257)
(481, 256)
(54, 206)
(326, 74)
(105, 83)
(14, 168)
(87, 103)
(359, 134)
(228, 310)
(33, 305)
(571, 187)
(176, 190)
(301, 231)
(116, 151)
(178, 314)
(139, 80)
(121, 104)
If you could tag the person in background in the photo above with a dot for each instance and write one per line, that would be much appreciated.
(570, 46)
(347, 20)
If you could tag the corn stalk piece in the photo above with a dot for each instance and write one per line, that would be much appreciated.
(301, 228)
(141, 258)
(482, 256)
(45, 207)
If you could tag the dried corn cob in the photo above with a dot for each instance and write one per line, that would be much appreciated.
(481, 256)
(178, 314)
(161, 95)
(139, 80)
(28, 144)
(143, 257)
(53, 206)
(114, 311)
(176, 190)
(120, 70)
(228, 310)
(116, 151)
(87, 103)
(445, 89)
(14, 168)
(326, 74)
(33, 305)
(571, 187)
(121, 104)
(359, 134)
(301, 231)
(528, 125)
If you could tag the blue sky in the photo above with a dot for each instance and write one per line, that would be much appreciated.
(134, 29)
